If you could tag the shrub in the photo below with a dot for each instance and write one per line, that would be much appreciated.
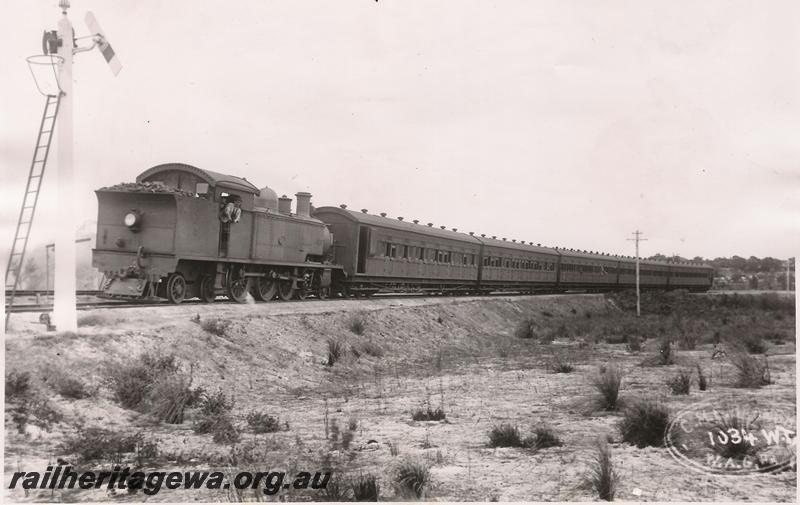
(168, 398)
(261, 422)
(507, 435)
(365, 488)
(18, 384)
(352, 423)
(371, 348)
(335, 351)
(681, 383)
(220, 426)
(603, 476)
(750, 373)
(411, 479)
(131, 382)
(702, 381)
(216, 404)
(35, 410)
(527, 328)
(559, 365)
(544, 437)
(70, 386)
(91, 444)
(607, 383)
(394, 448)
(634, 343)
(216, 326)
(754, 344)
(357, 322)
(644, 423)
(429, 414)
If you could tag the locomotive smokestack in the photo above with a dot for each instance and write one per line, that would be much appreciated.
(303, 204)
(285, 205)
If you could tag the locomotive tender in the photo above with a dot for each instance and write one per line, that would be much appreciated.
(183, 232)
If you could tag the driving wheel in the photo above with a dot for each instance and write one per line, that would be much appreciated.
(237, 286)
(207, 293)
(285, 289)
(264, 288)
(176, 288)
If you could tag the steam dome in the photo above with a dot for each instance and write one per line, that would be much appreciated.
(268, 199)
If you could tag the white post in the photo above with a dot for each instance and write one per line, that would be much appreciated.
(638, 301)
(65, 315)
(637, 237)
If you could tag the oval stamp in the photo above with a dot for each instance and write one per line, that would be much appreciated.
(719, 437)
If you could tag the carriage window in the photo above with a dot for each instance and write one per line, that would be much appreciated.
(421, 253)
(472, 259)
(201, 188)
(405, 251)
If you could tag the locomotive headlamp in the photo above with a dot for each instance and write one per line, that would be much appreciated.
(133, 220)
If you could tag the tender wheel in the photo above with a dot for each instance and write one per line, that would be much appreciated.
(176, 288)
(264, 289)
(238, 285)
(285, 290)
(301, 294)
(207, 293)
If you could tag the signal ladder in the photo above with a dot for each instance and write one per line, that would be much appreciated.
(35, 175)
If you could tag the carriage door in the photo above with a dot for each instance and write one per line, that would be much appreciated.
(363, 249)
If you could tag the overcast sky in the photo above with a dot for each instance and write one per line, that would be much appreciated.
(568, 123)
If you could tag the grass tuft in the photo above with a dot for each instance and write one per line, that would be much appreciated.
(644, 424)
(357, 322)
(603, 476)
(365, 488)
(702, 380)
(681, 383)
(429, 414)
(335, 351)
(544, 437)
(527, 328)
(412, 479)
(507, 435)
(216, 326)
(750, 373)
(131, 382)
(607, 382)
(261, 422)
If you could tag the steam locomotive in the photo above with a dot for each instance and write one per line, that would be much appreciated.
(182, 232)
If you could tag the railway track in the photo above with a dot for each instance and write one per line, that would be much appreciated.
(114, 304)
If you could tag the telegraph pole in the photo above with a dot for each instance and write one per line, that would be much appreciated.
(637, 238)
(65, 315)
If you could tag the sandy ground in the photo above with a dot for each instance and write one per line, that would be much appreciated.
(457, 353)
